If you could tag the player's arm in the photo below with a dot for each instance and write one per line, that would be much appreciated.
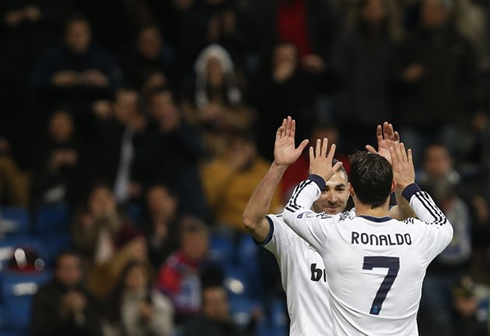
(285, 153)
(386, 137)
(297, 213)
(439, 230)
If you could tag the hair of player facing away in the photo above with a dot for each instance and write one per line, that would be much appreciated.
(371, 176)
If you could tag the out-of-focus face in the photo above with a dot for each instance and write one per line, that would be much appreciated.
(163, 106)
(215, 71)
(466, 305)
(285, 53)
(61, 126)
(374, 11)
(215, 304)
(78, 36)
(437, 161)
(68, 271)
(126, 105)
(334, 199)
(195, 245)
(150, 42)
(101, 201)
(136, 279)
(433, 14)
(160, 201)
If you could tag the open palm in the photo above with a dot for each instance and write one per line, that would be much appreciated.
(386, 138)
(285, 152)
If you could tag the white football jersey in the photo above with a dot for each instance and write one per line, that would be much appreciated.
(375, 266)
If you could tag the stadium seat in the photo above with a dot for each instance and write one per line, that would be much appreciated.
(221, 250)
(52, 219)
(8, 246)
(14, 221)
(17, 290)
(236, 281)
(241, 310)
(55, 243)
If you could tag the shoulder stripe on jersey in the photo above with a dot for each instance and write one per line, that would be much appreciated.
(438, 219)
(426, 196)
(298, 190)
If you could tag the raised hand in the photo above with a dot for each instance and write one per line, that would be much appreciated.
(403, 170)
(285, 152)
(320, 162)
(386, 137)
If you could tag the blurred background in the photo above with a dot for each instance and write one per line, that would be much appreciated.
(133, 132)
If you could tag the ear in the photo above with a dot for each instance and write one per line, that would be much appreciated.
(351, 190)
(393, 186)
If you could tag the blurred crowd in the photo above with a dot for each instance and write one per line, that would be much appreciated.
(171, 107)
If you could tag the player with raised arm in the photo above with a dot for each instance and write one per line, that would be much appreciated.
(302, 270)
(375, 264)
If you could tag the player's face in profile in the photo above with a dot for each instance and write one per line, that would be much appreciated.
(334, 199)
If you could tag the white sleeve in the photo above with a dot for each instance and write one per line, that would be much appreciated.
(297, 214)
(437, 229)
(280, 238)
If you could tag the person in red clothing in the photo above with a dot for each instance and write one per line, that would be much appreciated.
(298, 170)
(181, 275)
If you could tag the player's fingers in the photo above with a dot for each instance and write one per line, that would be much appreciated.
(288, 126)
(371, 149)
(398, 156)
(318, 148)
(379, 133)
(331, 152)
(397, 137)
(336, 167)
(293, 129)
(391, 132)
(312, 155)
(302, 145)
(410, 158)
(324, 147)
(404, 152)
(385, 130)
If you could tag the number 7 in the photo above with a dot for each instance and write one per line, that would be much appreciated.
(393, 265)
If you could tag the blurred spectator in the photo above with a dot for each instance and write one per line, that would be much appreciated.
(64, 306)
(465, 305)
(14, 182)
(161, 223)
(364, 59)
(310, 25)
(115, 131)
(169, 152)
(288, 89)
(135, 308)
(152, 55)
(229, 181)
(76, 73)
(105, 240)
(298, 171)
(179, 277)
(58, 177)
(437, 70)
(215, 319)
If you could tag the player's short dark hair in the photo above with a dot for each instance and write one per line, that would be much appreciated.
(371, 176)
(341, 169)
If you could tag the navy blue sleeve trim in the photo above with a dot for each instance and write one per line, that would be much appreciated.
(269, 236)
(320, 182)
(410, 190)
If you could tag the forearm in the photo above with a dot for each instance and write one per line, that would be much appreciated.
(402, 210)
(423, 206)
(261, 199)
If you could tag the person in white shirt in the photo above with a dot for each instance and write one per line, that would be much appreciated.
(375, 265)
(303, 274)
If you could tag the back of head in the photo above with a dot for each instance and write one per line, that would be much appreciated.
(371, 176)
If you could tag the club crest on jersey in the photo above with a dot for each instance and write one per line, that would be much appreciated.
(308, 214)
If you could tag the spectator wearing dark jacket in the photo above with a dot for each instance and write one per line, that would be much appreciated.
(64, 307)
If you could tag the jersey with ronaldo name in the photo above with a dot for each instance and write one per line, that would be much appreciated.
(375, 266)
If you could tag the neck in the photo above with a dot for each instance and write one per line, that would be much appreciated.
(363, 209)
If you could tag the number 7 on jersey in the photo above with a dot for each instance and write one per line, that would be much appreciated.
(393, 265)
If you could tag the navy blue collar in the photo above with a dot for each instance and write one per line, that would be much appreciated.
(376, 219)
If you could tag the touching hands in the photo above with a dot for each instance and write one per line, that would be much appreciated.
(403, 170)
(320, 162)
(285, 152)
(386, 138)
